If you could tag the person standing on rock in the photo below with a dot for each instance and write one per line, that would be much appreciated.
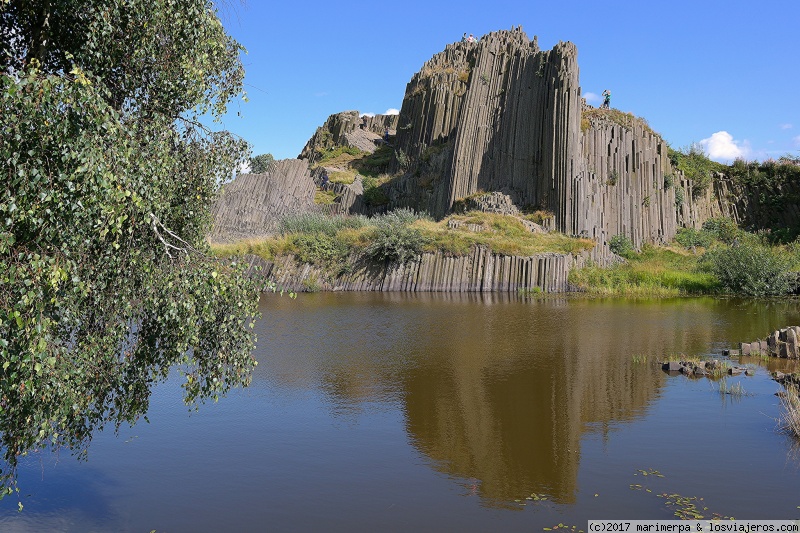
(325, 178)
(464, 37)
(470, 39)
(606, 99)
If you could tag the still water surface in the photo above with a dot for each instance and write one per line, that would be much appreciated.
(431, 412)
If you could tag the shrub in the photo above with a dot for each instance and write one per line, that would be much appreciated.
(394, 240)
(402, 215)
(313, 223)
(690, 237)
(751, 269)
(696, 166)
(320, 249)
(679, 197)
(403, 160)
(621, 245)
(723, 229)
(375, 196)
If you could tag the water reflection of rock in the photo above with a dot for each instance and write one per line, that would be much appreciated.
(506, 402)
(506, 398)
(498, 391)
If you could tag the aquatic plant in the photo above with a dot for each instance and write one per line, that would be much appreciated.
(736, 390)
(789, 419)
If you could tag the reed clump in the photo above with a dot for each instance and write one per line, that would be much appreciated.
(790, 410)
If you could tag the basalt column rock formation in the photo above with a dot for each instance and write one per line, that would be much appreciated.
(502, 115)
(253, 204)
(625, 183)
(348, 129)
(507, 113)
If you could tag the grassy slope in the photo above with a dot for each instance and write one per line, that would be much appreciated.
(656, 271)
(501, 234)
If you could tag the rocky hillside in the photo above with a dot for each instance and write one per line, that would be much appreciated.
(500, 124)
(501, 115)
(252, 205)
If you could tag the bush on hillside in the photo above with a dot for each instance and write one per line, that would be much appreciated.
(723, 229)
(692, 238)
(394, 240)
(621, 245)
(752, 269)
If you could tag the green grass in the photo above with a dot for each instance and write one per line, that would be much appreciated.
(375, 164)
(324, 197)
(338, 156)
(626, 120)
(655, 272)
(326, 241)
(501, 234)
(341, 176)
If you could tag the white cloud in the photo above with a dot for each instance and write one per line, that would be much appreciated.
(391, 111)
(723, 148)
(592, 98)
(244, 167)
(786, 126)
(796, 140)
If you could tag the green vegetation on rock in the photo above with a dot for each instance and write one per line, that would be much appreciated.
(696, 166)
(261, 163)
(719, 258)
(400, 236)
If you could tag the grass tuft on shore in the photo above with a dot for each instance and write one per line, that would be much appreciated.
(655, 272)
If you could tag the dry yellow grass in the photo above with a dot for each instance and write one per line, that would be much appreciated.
(501, 234)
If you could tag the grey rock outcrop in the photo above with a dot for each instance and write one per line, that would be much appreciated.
(783, 343)
(480, 271)
(252, 204)
(348, 128)
(503, 116)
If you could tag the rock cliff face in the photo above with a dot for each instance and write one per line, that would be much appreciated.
(773, 206)
(480, 271)
(499, 124)
(624, 184)
(253, 204)
(506, 113)
(348, 129)
(503, 115)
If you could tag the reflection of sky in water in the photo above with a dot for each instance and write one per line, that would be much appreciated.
(436, 412)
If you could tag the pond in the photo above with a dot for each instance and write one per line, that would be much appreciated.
(432, 412)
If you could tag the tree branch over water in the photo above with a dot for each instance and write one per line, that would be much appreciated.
(101, 185)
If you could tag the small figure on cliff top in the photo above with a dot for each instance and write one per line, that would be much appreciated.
(464, 37)
(471, 39)
(606, 99)
(364, 122)
(386, 136)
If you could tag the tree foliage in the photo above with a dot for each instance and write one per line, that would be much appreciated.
(108, 174)
(261, 163)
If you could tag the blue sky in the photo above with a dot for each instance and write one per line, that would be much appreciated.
(723, 73)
